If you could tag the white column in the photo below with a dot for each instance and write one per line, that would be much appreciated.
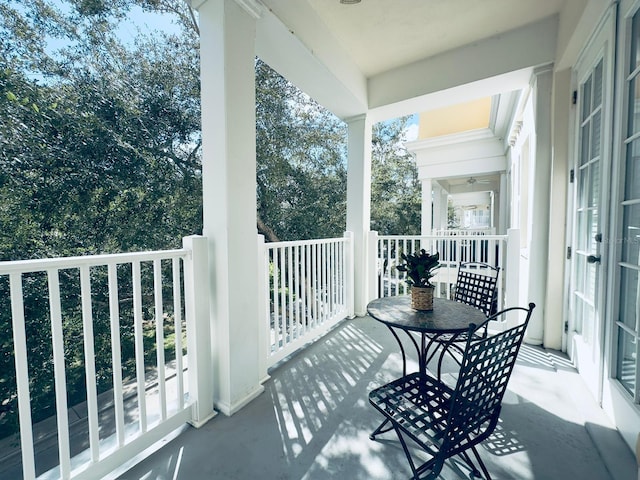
(539, 231)
(444, 212)
(427, 206)
(227, 39)
(437, 207)
(359, 203)
(503, 205)
(553, 328)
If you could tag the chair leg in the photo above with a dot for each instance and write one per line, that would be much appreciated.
(481, 463)
(433, 466)
(380, 429)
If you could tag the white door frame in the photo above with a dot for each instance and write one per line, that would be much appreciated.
(590, 357)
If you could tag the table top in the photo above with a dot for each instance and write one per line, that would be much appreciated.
(447, 316)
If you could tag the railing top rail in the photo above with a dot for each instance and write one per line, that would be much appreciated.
(293, 243)
(39, 265)
(443, 237)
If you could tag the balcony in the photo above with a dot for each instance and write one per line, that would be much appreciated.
(313, 419)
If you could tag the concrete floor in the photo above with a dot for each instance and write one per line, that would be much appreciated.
(313, 422)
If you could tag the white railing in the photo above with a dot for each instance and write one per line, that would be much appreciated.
(308, 289)
(449, 232)
(130, 301)
(497, 250)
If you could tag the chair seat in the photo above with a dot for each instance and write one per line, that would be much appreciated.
(418, 404)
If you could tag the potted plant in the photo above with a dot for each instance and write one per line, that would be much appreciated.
(420, 268)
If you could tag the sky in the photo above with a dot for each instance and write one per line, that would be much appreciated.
(412, 128)
(146, 22)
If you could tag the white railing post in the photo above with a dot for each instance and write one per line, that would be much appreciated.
(512, 274)
(349, 274)
(263, 309)
(198, 318)
(372, 265)
(22, 377)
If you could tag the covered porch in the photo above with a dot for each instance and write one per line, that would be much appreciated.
(308, 417)
(314, 420)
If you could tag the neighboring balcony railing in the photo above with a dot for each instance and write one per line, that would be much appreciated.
(308, 289)
(102, 322)
(501, 251)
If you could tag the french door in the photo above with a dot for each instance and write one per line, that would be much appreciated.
(626, 268)
(594, 76)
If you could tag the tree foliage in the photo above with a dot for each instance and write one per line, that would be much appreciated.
(301, 161)
(395, 188)
(100, 152)
(100, 143)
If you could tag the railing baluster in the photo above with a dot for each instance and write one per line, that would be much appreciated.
(314, 285)
(283, 297)
(325, 283)
(22, 377)
(296, 287)
(139, 345)
(114, 316)
(159, 314)
(292, 321)
(177, 328)
(274, 297)
(90, 363)
(57, 341)
(304, 272)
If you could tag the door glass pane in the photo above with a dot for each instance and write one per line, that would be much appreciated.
(580, 272)
(580, 222)
(593, 230)
(634, 106)
(597, 86)
(595, 135)
(579, 321)
(629, 298)
(635, 42)
(583, 176)
(591, 281)
(626, 361)
(595, 185)
(632, 189)
(631, 234)
(586, 99)
(585, 155)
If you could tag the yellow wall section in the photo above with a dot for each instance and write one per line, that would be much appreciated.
(456, 118)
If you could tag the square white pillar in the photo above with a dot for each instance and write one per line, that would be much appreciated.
(359, 202)
(227, 38)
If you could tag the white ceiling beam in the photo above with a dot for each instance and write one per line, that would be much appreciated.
(310, 58)
(487, 67)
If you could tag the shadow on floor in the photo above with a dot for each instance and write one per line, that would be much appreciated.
(314, 420)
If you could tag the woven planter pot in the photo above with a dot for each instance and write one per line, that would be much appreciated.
(422, 298)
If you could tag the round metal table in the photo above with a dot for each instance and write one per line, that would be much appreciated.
(448, 318)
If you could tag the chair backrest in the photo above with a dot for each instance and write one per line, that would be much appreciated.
(487, 364)
(477, 285)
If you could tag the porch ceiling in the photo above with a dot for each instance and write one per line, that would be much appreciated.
(380, 35)
(401, 57)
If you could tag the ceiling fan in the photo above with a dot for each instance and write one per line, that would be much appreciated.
(473, 181)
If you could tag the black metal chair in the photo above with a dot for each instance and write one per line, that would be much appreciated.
(476, 285)
(447, 422)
